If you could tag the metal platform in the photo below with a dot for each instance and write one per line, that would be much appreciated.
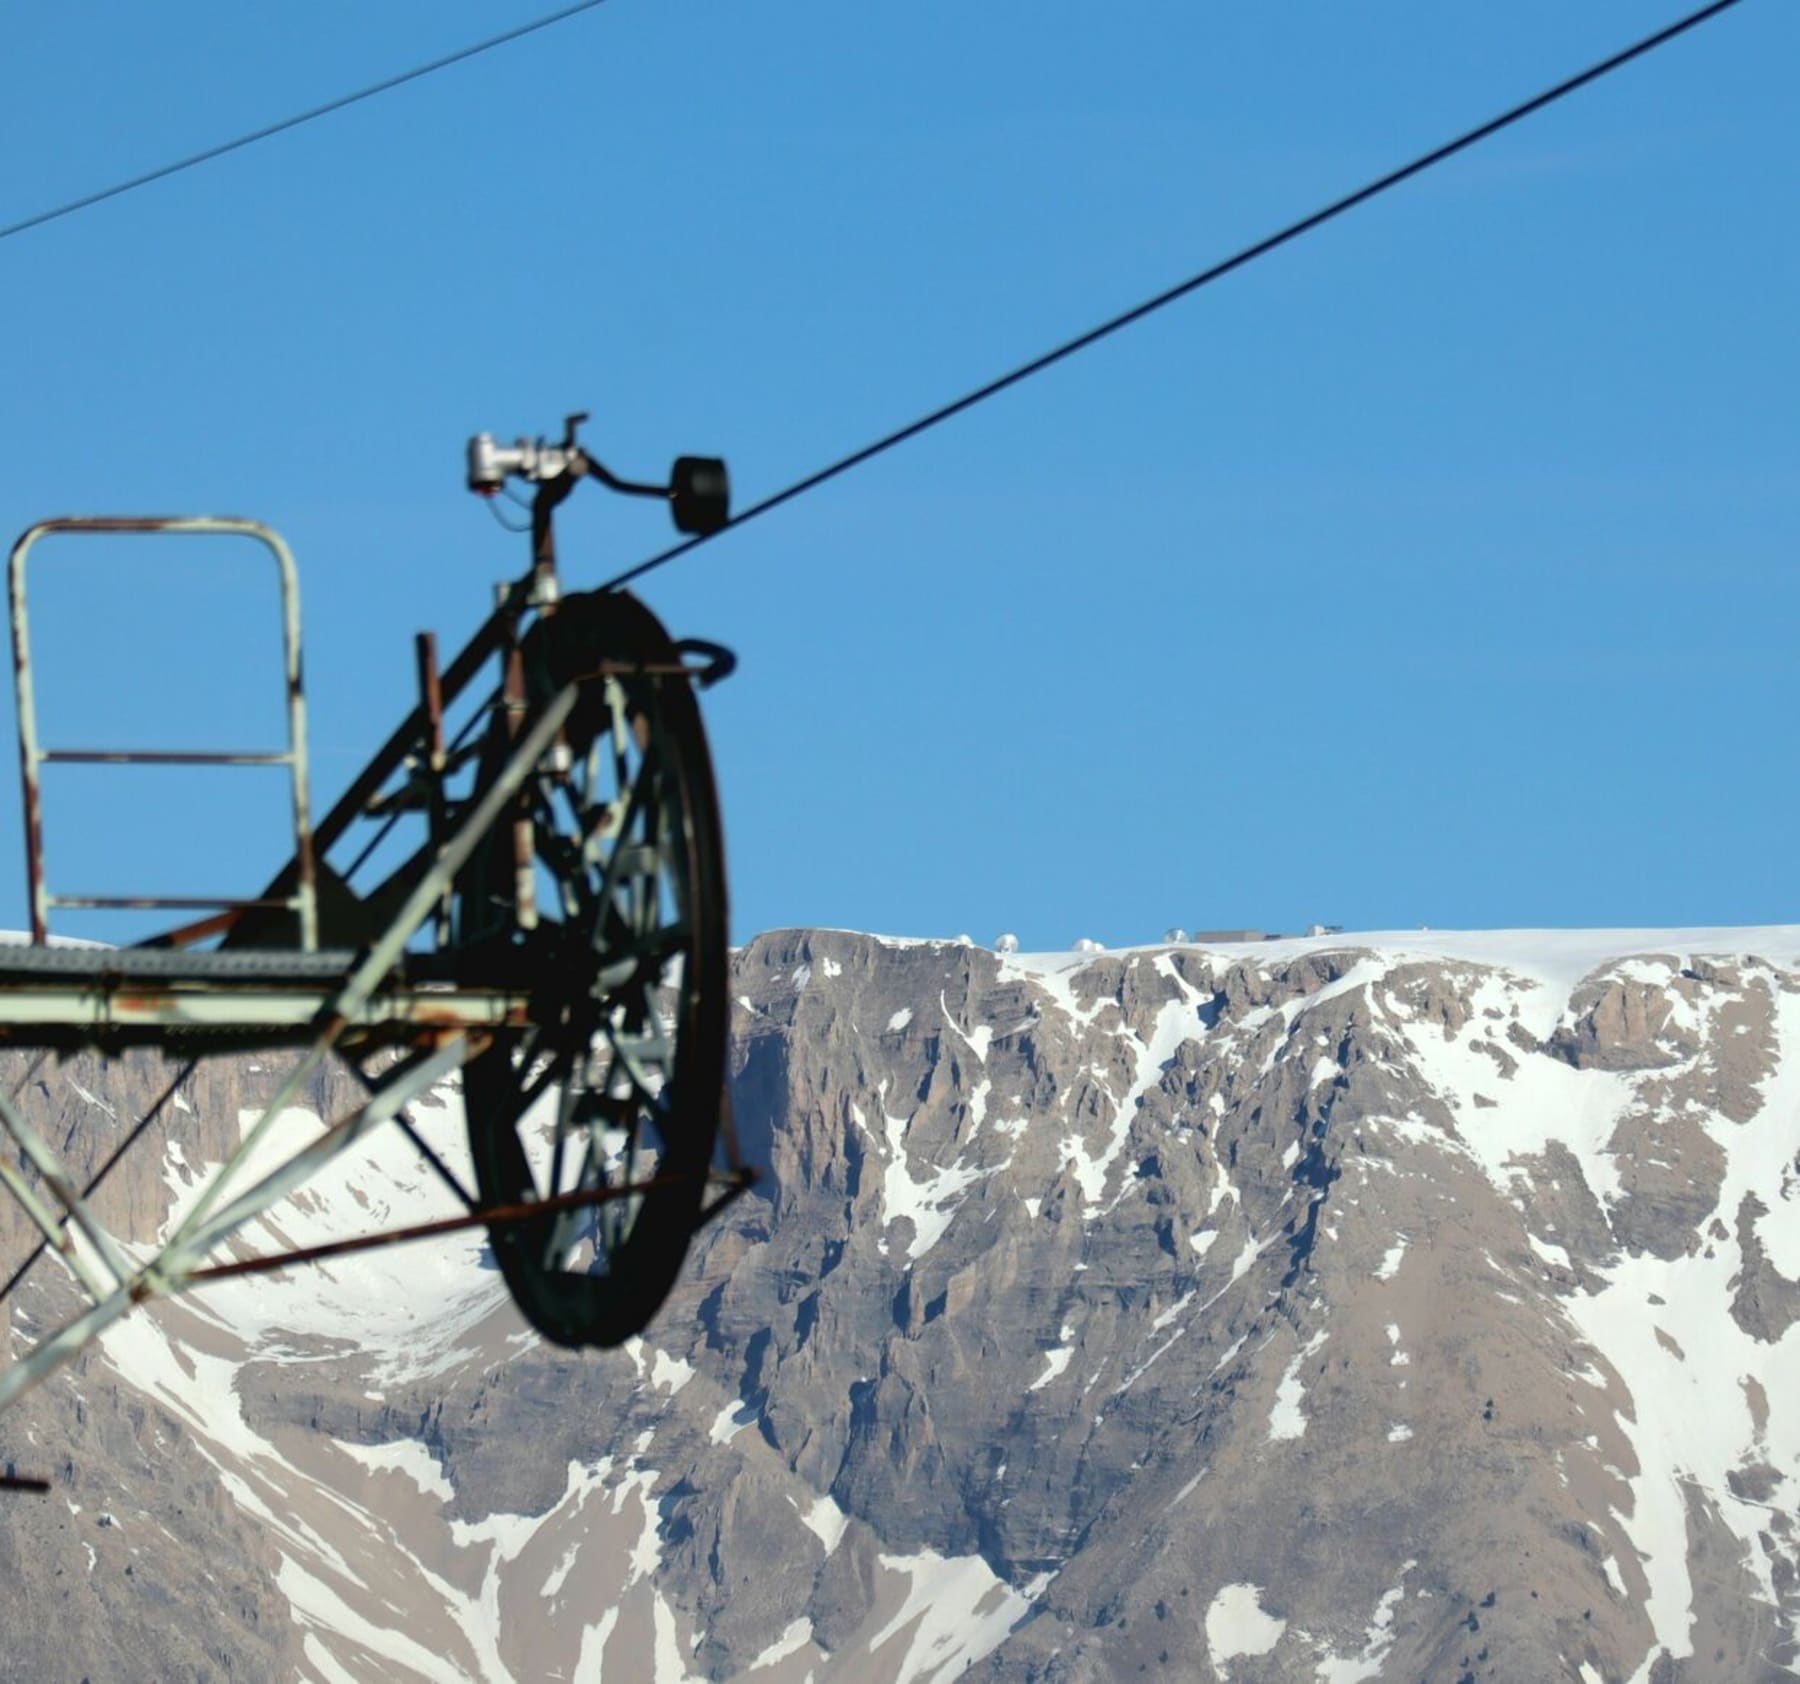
(62, 997)
(20, 963)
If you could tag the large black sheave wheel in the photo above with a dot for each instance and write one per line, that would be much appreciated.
(618, 1083)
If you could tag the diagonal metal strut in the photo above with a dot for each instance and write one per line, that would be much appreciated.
(206, 1226)
(176, 1264)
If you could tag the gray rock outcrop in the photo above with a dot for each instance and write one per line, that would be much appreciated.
(1301, 1311)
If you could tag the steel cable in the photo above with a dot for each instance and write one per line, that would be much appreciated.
(163, 171)
(1182, 289)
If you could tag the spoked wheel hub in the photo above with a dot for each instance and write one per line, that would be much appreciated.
(606, 1111)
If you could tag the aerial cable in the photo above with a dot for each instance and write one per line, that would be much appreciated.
(1193, 283)
(342, 102)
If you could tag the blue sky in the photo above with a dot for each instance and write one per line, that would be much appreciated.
(1437, 570)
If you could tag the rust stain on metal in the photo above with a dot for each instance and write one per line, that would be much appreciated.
(447, 1018)
(431, 695)
(34, 852)
(147, 1003)
(27, 718)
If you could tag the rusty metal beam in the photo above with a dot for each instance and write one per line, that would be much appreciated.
(496, 1216)
(289, 1012)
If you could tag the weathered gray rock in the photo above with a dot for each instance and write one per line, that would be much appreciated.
(1154, 1314)
(1621, 1025)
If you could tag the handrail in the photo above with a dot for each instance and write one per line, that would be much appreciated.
(33, 756)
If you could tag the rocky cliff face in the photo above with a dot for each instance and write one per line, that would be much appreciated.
(1395, 1309)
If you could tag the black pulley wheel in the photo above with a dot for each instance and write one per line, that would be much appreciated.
(616, 1087)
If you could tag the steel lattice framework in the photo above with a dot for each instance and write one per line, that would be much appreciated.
(556, 937)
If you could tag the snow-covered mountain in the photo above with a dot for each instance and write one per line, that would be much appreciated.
(1352, 1309)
